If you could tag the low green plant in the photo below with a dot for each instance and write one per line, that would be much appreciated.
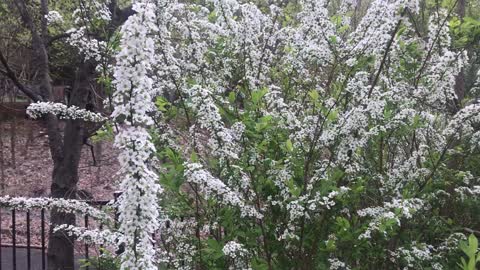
(470, 248)
(106, 261)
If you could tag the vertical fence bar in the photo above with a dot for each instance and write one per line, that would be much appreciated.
(86, 244)
(29, 255)
(0, 238)
(14, 241)
(101, 246)
(43, 239)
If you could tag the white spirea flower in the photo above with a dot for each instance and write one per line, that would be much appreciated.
(54, 17)
(92, 236)
(214, 187)
(90, 47)
(233, 249)
(138, 204)
(64, 205)
(237, 253)
(336, 264)
(39, 109)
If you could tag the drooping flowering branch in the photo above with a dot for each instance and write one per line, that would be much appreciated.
(93, 236)
(62, 111)
(63, 205)
(138, 204)
(213, 187)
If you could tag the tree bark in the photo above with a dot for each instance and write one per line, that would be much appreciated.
(65, 175)
(13, 140)
(2, 164)
(460, 78)
(65, 147)
(65, 143)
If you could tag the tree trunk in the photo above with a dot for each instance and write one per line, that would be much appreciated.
(460, 78)
(2, 163)
(13, 139)
(65, 146)
(65, 175)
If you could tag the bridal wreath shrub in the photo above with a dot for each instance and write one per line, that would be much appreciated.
(277, 134)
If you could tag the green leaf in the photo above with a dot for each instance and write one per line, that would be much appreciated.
(162, 104)
(259, 264)
(289, 145)
(401, 30)
(194, 157)
(258, 95)
(333, 39)
(263, 123)
(231, 97)
(473, 242)
(212, 17)
(294, 190)
(314, 95)
(333, 115)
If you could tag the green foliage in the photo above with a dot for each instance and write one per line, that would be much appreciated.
(106, 261)
(470, 248)
(105, 133)
(466, 32)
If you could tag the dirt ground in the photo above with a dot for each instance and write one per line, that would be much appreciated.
(28, 168)
(27, 171)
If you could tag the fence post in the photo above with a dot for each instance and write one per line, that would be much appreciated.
(86, 244)
(29, 255)
(0, 239)
(14, 241)
(43, 238)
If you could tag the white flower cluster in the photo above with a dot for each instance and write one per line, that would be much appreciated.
(64, 205)
(467, 192)
(464, 122)
(54, 17)
(237, 253)
(138, 204)
(91, 9)
(39, 109)
(390, 213)
(87, 19)
(336, 264)
(214, 187)
(91, 48)
(223, 143)
(178, 248)
(326, 201)
(417, 255)
(92, 236)
(233, 249)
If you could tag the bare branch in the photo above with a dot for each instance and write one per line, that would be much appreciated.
(57, 37)
(11, 75)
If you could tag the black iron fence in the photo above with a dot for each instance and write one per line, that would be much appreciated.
(13, 233)
(9, 237)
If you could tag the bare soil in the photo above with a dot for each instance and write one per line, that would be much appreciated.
(27, 171)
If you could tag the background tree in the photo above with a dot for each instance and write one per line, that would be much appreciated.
(58, 55)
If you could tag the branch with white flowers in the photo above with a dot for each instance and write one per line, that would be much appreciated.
(39, 109)
(64, 205)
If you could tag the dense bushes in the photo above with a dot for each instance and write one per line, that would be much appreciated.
(292, 134)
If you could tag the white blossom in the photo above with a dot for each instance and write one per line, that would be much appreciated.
(62, 111)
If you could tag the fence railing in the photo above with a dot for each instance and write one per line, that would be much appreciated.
(41, 236)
